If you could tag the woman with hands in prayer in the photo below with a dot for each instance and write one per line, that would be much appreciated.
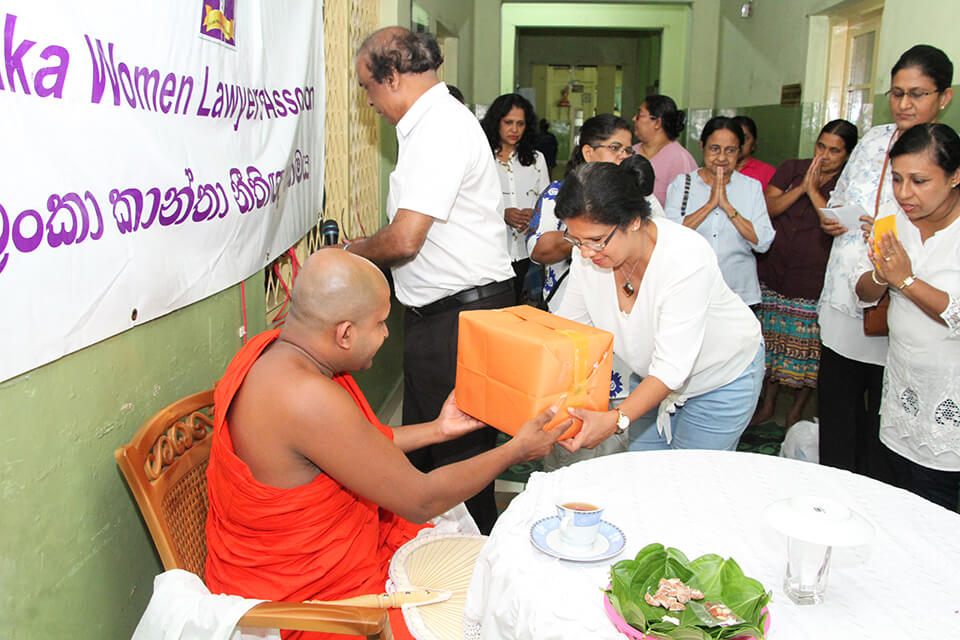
(791, 272)
(851, 363)
(918, 263)
(725, 207)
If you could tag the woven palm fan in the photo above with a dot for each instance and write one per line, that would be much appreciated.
(441, 561)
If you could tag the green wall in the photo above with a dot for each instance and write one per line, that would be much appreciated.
(77, 560)
(786, 44)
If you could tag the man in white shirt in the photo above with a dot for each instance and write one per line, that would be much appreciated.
(446, 243)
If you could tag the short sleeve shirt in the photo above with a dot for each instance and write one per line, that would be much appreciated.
(445, 170)
(796, 261)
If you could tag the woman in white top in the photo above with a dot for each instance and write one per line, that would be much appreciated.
(851, 363)
(603, 138)
(919, 264)
(657, 287)
(725, 207)
(510, 125)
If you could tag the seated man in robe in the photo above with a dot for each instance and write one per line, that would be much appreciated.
(309, 494)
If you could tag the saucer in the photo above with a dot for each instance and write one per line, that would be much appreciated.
(545, 536)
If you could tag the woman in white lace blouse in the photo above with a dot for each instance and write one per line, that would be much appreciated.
(919, 264)
(851, 363)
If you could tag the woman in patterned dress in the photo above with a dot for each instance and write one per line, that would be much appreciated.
(791, 272)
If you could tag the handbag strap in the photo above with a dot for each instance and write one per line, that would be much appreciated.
(686, 195)
(556, 286)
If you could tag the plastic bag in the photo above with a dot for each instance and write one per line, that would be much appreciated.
(802, 442)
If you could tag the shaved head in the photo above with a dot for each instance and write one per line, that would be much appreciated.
(336, 286)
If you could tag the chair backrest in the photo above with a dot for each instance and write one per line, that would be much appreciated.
(165, 465)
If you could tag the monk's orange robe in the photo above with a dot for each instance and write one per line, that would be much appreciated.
(319, 541)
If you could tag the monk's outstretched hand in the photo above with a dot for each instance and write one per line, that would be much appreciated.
(453, 423)
(532, 441)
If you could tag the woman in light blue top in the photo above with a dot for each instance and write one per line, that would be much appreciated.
(725, 207)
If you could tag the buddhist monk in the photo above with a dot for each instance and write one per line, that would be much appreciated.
(309, 494)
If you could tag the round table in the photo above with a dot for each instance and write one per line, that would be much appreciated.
(905, 583)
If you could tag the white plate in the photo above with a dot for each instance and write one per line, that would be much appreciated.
(545, 536)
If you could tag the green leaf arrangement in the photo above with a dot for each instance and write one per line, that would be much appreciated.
(718, 579)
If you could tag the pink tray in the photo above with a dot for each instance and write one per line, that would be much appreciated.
(624, 628)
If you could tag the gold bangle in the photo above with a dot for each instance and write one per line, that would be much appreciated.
(873, 276)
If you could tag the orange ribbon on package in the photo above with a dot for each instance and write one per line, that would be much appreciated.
(577, 394)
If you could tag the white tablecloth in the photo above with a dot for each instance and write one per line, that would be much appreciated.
(904, 584)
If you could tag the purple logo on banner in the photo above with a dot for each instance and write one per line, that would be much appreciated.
(218, 21)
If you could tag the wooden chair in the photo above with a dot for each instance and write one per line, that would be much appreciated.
(165, 465)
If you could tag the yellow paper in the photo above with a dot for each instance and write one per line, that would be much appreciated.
(880, 227)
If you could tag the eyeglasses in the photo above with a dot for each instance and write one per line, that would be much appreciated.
(615, 148)
(716, 149)
(914, 94)
(640, 114)
(593, 246)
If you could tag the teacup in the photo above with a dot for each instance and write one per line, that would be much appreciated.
(579, 523)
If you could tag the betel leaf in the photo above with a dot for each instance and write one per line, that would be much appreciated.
(719, 579)
(739, 631)
(745, 596)
(646, 561)
(653, 635)
(708, 569)
(620, 576)
(634, 615)
(688, 633)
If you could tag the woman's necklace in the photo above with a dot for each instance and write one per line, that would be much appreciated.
(651, 149)
(628, 288)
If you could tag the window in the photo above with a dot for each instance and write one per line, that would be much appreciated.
(852, 66)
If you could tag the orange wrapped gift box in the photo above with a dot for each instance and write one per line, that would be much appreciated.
(513, 363)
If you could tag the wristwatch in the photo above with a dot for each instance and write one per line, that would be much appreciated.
(623, 422)
(909, 280)
(734, 215)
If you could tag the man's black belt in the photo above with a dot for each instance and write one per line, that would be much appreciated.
(464, 297)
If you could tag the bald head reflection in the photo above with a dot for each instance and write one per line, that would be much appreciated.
(336, 286)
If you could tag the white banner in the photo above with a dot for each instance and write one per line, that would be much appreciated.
(153, 153)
